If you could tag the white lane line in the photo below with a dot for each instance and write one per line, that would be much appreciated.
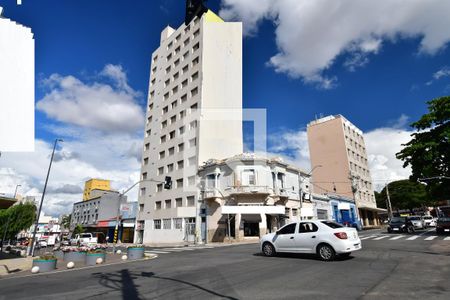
(182, 249)
(426, 231)
(430, 238)
(367, 237)
(413, 237)
(396, 237)
(447, 238)
(380, 237)
(156, 251)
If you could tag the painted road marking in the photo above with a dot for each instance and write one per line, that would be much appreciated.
(447, 238)
(430, 238)
(156, 251)
(367, 237)
(413, 237)
(380, 237)
(396, 237)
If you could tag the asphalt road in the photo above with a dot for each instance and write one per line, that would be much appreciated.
(396, 266)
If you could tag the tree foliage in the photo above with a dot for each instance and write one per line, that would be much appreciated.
(429, 150)
(78, 229)
(65, 221)
(404, 194)
(20, 217)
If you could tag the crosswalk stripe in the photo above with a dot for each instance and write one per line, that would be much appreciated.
(396, 237)
(157, 252)
(380, 237)
(413, 237)
(447, 238)
(431, 238)
(367, 237)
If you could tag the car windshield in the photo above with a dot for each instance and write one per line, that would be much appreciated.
(428, 217)
(414, 218)
(398, 220)
(332, 224)
(85, 235)
(444, 219)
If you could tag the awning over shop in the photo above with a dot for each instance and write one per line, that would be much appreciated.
(247, 209)
(375, 209)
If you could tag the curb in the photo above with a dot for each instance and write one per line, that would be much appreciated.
(79, 268)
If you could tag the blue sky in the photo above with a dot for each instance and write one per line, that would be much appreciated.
(380, 79)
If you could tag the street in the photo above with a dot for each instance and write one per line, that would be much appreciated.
(389, 266)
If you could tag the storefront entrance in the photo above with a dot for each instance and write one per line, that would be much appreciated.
(251, 229)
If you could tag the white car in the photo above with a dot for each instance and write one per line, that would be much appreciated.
(429, 221)
(324, 238)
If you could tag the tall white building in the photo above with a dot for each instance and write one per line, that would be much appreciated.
(194, 112)
(16, 86)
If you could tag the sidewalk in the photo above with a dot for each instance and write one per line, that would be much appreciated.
(14, 265)
(192, 245)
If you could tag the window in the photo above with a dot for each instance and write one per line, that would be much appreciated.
(177, 39)
(160, 170)
(193, 124)
(162, 154)
(170, 45)
(194, 92)
(168, 69)
(175, 76)
(150, 107)
(182, 114)
(194, 108)
(288, 229)
(163, 139)
(177, 50)
(184, 98)
(196, 46)
(181, 130)
(157, 224)
(184, 83)
(181, 147)
(248, 177)
(185, 55)
(186, 42)
(307, 227)
(332, 224)
(144, 175)
(167, 224)
(146, 161)
(172, 135)
(143, 190)
(168, 203)
(186, 30)
(180, 164)
(179, 202)
(159, 187)
(176, 63)
(169, 57)
(174, 104)
(194, 76)
(192, 161)
(180, 183)
(148, 133)
(192, 143)
(197, 32)
(177, 223)
(152, 94)
(190, 201)
(195, 61)
(166, 96)
(158, 205)
(175, 90)
(171, 150)
(185, 69)
(169, 167)
(153, 81)
(155, 59)
(191, 180)
(165, 110)
(164, 124)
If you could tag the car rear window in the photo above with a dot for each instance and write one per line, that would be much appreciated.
(397, 220)
(444, 219)
(414, 218)
(332, 224)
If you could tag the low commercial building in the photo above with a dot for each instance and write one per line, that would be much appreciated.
(246, 196)
(336, 207)
(99, 214)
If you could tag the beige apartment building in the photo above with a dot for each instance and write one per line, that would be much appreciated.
(338, 147)
(194, 112)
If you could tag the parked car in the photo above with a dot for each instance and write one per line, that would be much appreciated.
(429, 221)
(41, 244)
(400, 224)
(327, 239)
(84, 239)
(443, 225)
(417, 222)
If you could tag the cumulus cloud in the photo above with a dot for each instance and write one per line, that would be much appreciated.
(310, 35)
(443, 72)
(109, 108)
(292, 146)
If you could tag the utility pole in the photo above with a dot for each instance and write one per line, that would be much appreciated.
(300, 188)
(42, 199)
(355, 187)
(388, 201)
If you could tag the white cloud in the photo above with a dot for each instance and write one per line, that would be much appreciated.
(292, 146)
(94, 105)
(310, 35)
(443, 72)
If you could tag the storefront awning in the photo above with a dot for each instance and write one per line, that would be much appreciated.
(375, 209)
(248, 209)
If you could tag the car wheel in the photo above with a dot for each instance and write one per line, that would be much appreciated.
(268, 249)
(389, 230)
(326, 252)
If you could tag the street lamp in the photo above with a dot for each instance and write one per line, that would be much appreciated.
(300, 183)
(42, 199)
(7, 222)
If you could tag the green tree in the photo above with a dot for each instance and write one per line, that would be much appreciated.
(65, 221)
(78, 229)
(428, 151)
(404, 194)
(20, 217)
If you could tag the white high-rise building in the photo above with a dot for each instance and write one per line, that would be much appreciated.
(194, 113)
(16, 86)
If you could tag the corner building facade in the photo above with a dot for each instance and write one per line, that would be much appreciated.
(194, 112)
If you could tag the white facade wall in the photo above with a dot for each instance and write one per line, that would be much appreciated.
(16, 86)
(195, 73)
